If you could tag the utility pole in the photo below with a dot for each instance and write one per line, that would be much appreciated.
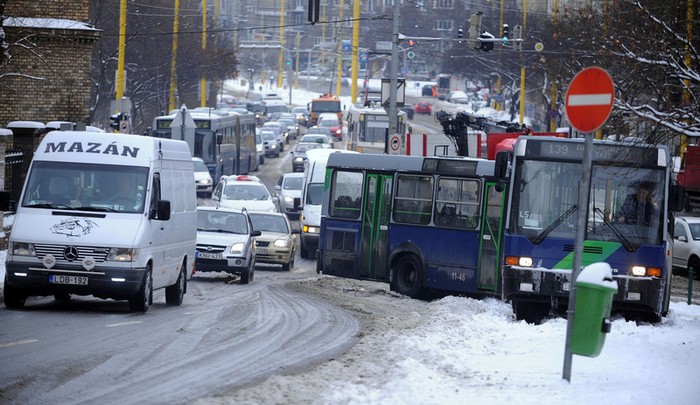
(173, 64)
(355, 49)
(122, 49)
(394, 75)
(281, 59)
(522, 71)
(203, 76)
(338, 85)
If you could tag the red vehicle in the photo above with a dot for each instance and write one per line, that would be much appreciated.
(423, 107)
(334, 125)
(689, 176)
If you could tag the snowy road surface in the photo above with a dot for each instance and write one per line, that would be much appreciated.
(224, 336)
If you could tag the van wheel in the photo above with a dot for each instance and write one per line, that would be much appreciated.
(14, 299)
(144, 296)
(408, 276)
(176, 292)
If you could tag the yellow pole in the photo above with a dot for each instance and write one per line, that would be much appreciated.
(281, 60)
(690, 16)
(296, 71)
(553, 105)
(340, 51)
(355, 49)
(122, 48)
(173, 60)
(522, 71)
(498, 83)
(203, 76)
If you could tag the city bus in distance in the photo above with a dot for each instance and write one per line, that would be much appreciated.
(225, 141)
(325, 103)
(540, 228)
(370, 124)
(418, 223)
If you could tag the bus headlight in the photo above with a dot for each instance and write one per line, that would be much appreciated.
(641, 271)
(123, 254)
(22, 249)
(519, 261)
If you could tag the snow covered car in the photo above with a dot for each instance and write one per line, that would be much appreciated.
(225, 242)
(238, 192)
(686, 244)
(277, 242)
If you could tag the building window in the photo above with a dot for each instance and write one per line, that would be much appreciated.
(443, 25)
(443, 4)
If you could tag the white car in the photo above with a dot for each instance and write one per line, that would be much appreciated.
(225, 242)
(238, 192)
(287, 189)
(686, 244)
(202, 178)
(260, 148)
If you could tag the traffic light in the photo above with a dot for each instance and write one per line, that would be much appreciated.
(506, 33)
(474, 30)
(518, 36)
(486, 45)
(314, 7)
(114, 121)
(460, 33)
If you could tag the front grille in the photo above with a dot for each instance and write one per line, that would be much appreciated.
(261, 243)
(97, 253)
(593, 250)
(211, 249)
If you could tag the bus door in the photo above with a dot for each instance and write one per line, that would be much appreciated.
(375, 227)
(491, 237)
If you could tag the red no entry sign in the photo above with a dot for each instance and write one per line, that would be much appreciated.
(589, 99)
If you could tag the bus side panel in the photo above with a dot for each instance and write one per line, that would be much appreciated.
(450, 256)
(339, 247)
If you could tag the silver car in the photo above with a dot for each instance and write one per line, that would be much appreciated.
(288, 188)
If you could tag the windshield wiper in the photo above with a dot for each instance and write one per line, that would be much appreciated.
(546, 231)
(619, 235)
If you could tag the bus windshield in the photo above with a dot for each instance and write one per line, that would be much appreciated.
(205, 145)
(620, 210)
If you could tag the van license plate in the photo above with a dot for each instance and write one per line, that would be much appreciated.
(205, 255)
(74, 280)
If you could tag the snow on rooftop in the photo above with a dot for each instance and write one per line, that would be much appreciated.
(47, 23)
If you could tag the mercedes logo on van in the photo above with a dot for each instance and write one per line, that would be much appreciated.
(70, 253)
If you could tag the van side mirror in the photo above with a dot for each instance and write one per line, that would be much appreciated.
(297, 202)
(162, 212)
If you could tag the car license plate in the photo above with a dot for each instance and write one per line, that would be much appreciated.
(261, 251)
(205, 255)
(74, 280)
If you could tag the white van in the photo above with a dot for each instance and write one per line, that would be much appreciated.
(104, 214)
(312, 198)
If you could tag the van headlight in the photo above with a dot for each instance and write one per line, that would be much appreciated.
(123, 254)
(22, 249)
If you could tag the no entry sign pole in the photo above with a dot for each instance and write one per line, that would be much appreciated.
(589, 101)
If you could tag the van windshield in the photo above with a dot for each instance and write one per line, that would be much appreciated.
(88, 187)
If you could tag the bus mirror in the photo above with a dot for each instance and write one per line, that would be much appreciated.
(219, 138)
(677, 197)
(499, 170)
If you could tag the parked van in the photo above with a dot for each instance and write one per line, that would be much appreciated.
(103, 214)
(311, 199)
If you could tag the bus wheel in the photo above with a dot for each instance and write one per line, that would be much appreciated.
(530, 312)
(408, 276)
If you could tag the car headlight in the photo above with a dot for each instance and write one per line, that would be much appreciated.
(273, 146)
(237, 248)
(299, 159)
(205, 182)
(22, 249)
(123, 254)
(280, 243)
(288, 199)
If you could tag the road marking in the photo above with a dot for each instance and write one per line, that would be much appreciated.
(579, 100)
(123, 324)
(17, 343)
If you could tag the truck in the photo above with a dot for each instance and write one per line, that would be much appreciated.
(443, 85)
(689, 176)
(112, 216)
(325, 103)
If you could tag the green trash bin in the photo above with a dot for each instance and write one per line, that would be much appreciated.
(595, 289)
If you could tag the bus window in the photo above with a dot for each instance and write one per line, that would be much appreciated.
(457, 203)
(413, 200)
(345, 195)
